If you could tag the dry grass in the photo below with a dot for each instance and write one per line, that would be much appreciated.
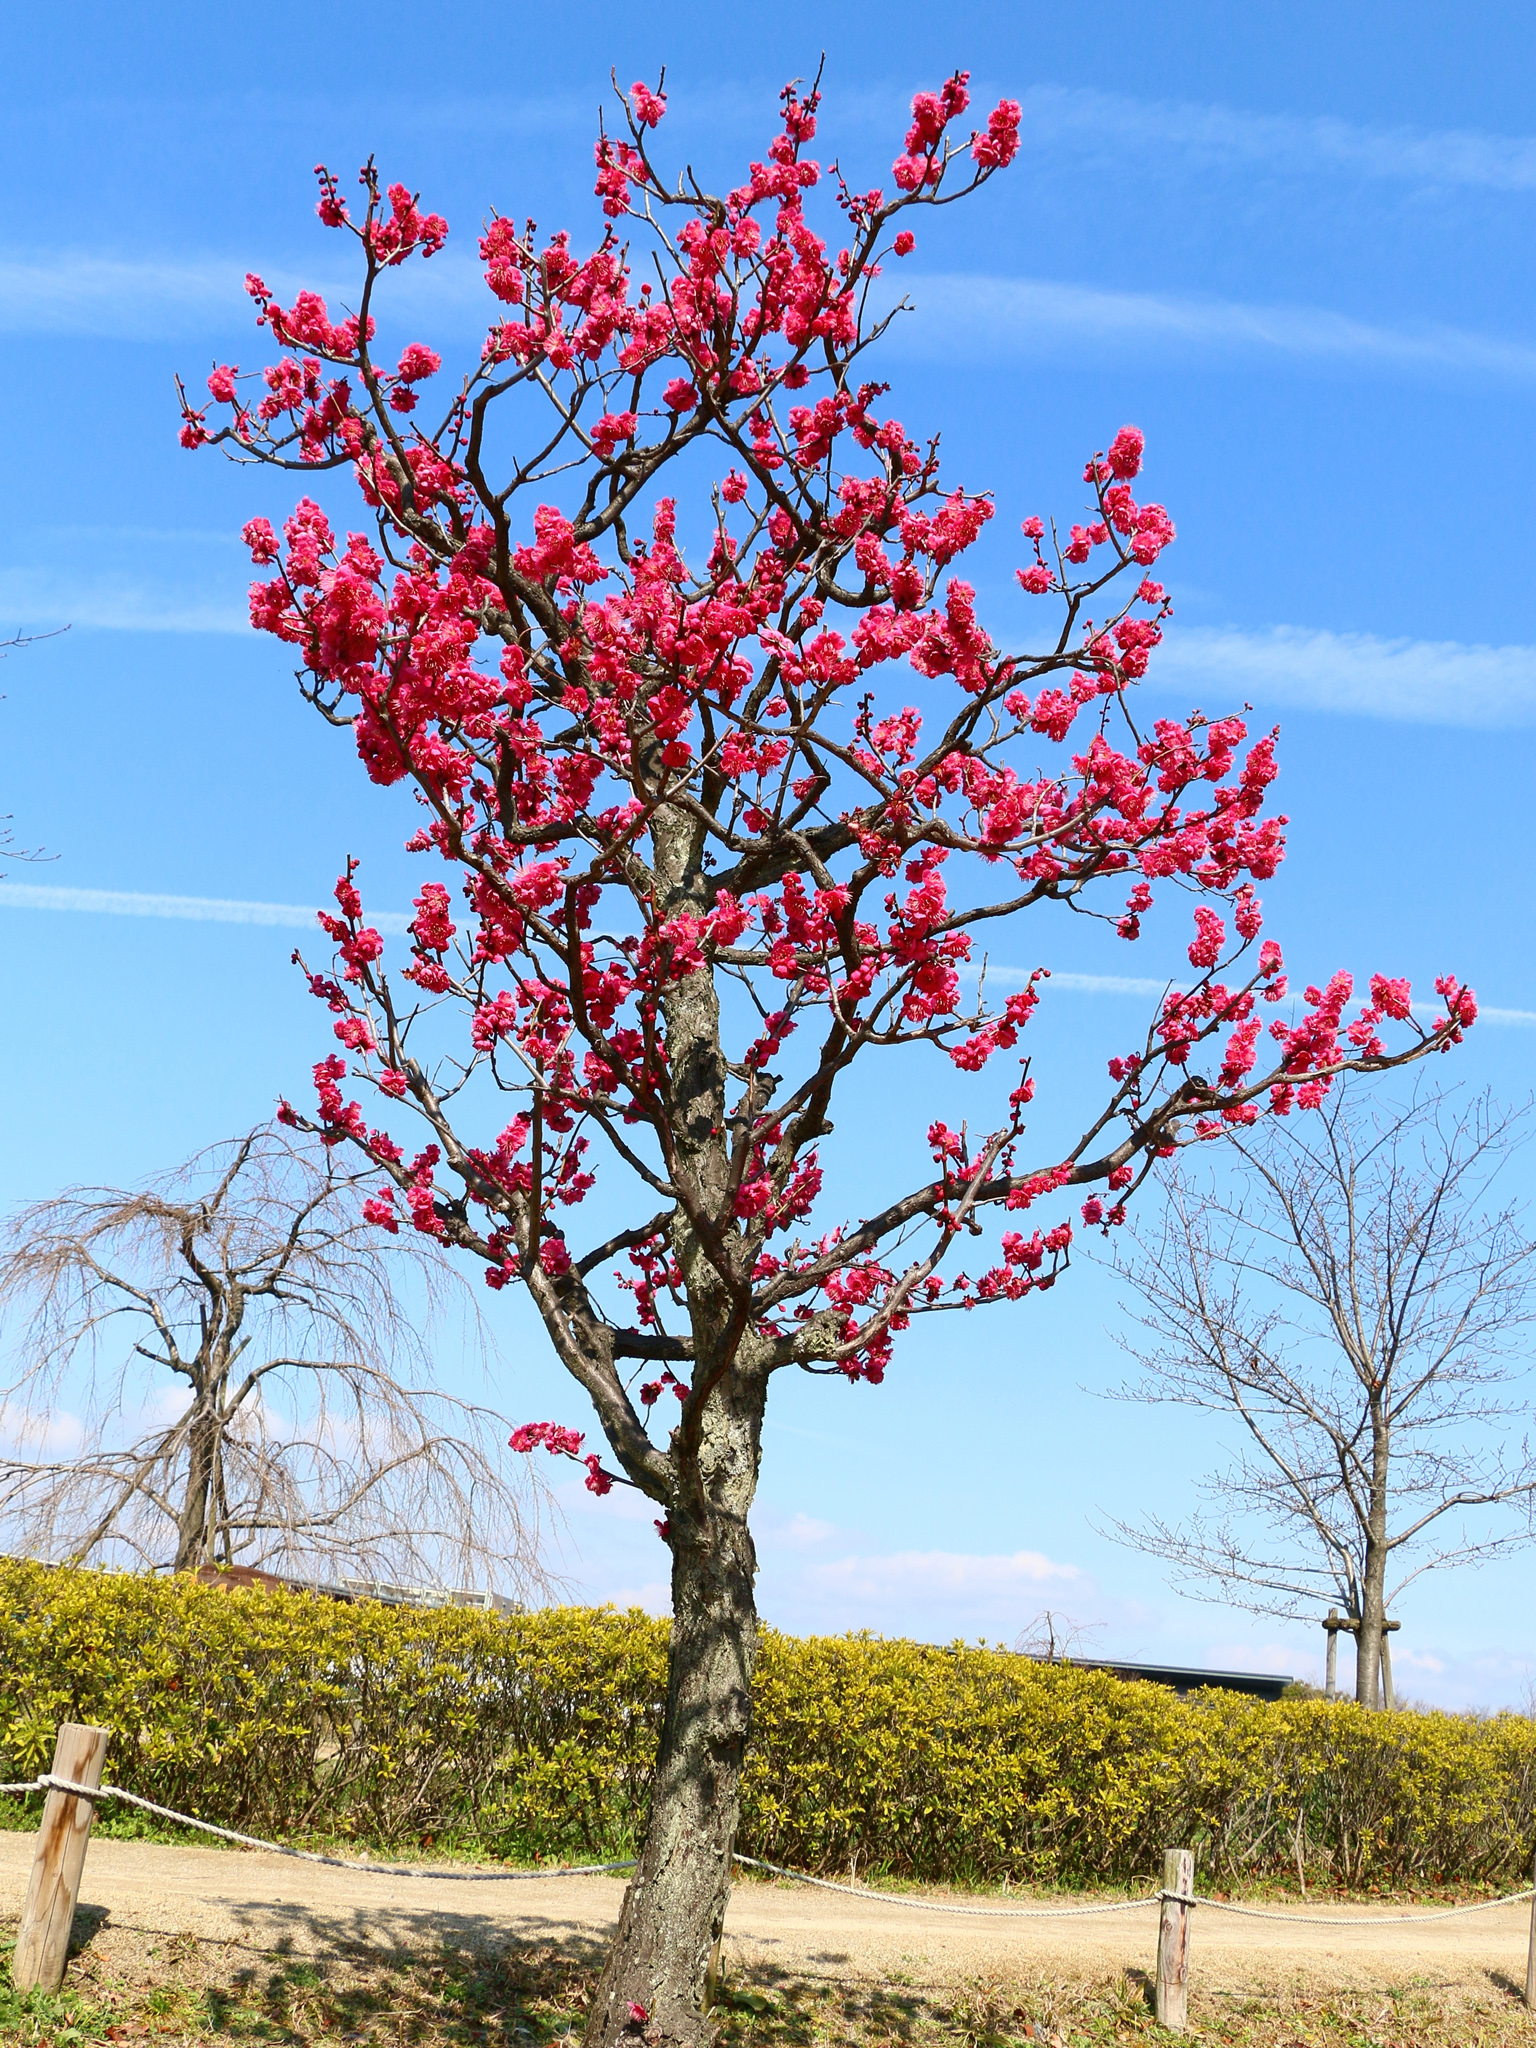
(131, 1985)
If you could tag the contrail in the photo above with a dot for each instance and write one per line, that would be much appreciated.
(296, 916)
(192, 909)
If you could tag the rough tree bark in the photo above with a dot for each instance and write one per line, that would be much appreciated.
(195, 1525)
(1373, 1580)
(675, 1906)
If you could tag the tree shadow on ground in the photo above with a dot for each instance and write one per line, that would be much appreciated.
(86, 1925)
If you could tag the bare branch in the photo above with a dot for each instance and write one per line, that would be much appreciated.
(310, 1431)
(1351, 1295)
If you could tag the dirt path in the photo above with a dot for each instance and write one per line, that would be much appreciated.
(772, 1928)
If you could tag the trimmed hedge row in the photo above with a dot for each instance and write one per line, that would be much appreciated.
(533, 1735)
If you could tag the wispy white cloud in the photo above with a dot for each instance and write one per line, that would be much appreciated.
(16, 895)
(1298, 144)
(191, 909)
(75, 292)
(1270, 1657)
(1083, 984)
(31, 1435)
(111, 603)
(1000, 318)
(916, 1574)
(1487, 1013)
(1429, 682)
(972, 315)
(127, 579)
(157, 298)
(1145, 985)
(1420, 1660)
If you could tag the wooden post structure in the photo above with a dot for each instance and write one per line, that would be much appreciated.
(1388, 1695)
(1530, 1954)
(1350, 1625)
(1173, 1939)
(42, 1947)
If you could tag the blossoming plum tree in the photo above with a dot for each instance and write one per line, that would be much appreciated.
(704, 855)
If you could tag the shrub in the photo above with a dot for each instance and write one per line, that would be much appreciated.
(533, 1735)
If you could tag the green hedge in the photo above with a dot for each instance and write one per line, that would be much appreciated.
(533, 1735)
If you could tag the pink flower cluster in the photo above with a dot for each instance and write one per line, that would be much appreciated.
(563, 1443)
(560, 672)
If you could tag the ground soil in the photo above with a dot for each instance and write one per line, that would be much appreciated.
(774, 1931)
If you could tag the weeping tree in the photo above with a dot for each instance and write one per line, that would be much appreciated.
(1353, 1295)
(655, 616)
(228, 1365)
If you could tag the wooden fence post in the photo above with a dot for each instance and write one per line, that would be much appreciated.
(1173, 1940)
(1530, 1954)
(42, 1947)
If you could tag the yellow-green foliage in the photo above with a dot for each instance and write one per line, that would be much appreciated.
(534, 1733)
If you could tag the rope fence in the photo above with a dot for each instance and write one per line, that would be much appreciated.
(857, 1891)
(47, 1782)
(1175, 1900)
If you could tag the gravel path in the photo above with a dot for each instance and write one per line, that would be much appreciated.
(771, 1929)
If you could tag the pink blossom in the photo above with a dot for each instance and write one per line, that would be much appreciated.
(1211, 936)
(649, 108)
(598, 718)
(1392, 997)
(417, 362)
(559, 1441)
(598, 1481)
(1000, 145)
(260, 539)
(1125, 452)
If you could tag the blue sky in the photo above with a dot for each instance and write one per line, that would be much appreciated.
(1293, 244)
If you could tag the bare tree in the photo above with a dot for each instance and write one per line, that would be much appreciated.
(1346, 1293)
(1054, 1638)
(252, 1361)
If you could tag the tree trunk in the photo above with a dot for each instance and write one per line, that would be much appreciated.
(653, 1986)
(1373, 1584)
(675, 1905)
(1372, 1613)
(192, 1530)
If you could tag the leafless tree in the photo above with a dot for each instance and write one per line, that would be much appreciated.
(1054, 1638)
(1346, 1292)
(231, 1365)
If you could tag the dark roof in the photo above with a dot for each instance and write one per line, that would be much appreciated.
(235, 1578)
(1262, 1685)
